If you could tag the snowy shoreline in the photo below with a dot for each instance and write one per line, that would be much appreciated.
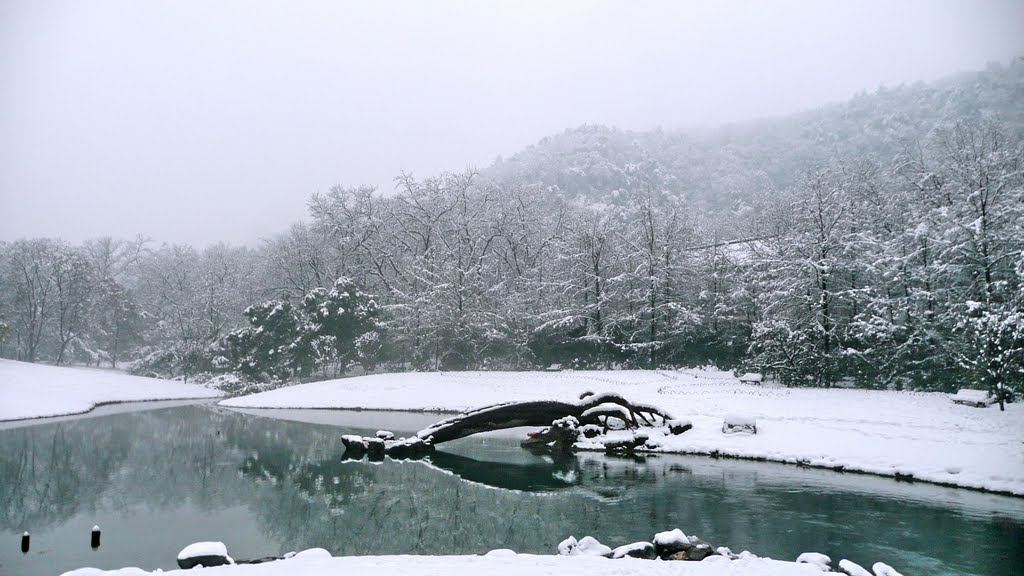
(502, 562)
(909, 436)
(34, 391)
(493, 565)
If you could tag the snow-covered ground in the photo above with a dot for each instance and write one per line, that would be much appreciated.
(923, 435)
(37, 391)
(497, 563)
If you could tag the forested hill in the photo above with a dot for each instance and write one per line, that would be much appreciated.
(731, 167)
(889, 252)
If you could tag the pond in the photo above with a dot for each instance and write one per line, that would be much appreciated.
(159, 479)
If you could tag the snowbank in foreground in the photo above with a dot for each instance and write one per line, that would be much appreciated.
(36, 391)
(506, 564)
(921, 435)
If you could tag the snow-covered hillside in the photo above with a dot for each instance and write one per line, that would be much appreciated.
(37, 391)
(921, 435)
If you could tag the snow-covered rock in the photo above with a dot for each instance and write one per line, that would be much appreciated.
(815, 559)
(671, 541)
(726, 552)
(636, 550)
(751, 378)
(852, 569)
(881, 569)
(565, 547)
(204, 554)
(589, 546)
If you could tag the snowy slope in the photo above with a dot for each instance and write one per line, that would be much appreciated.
(36, 391)
(494, 564)
(880, 432)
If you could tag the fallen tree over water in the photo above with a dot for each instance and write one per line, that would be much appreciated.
(590, 416)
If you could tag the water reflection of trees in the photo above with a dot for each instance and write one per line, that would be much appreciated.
(51, 472)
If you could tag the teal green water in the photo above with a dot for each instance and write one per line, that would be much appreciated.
(158, 480)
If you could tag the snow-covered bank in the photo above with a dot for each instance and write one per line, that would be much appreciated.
(497, 563)
(920, 435)
(38, 391)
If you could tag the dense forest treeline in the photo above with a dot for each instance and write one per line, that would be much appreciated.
(878, 241)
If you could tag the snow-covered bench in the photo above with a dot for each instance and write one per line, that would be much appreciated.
(751, 378)
(977, 398)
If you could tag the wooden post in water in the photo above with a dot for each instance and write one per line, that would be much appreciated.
(25, 543)
(95, 537)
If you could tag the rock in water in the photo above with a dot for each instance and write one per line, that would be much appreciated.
(204, 554)
(643, 550)
(355, 446)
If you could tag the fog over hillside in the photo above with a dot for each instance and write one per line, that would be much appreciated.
(202, 122)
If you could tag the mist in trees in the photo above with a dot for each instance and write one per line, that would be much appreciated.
(876, 242)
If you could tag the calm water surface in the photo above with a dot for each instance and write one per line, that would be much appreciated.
(158, 480)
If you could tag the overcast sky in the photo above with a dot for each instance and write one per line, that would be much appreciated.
(203, 121)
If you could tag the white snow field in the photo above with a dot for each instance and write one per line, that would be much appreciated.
(497, 563)
(906, 434)
(38, 391)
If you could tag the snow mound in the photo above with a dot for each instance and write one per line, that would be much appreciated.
(501, 552)
(313, 553)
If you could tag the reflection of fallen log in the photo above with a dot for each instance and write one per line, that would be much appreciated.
(543, 476)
